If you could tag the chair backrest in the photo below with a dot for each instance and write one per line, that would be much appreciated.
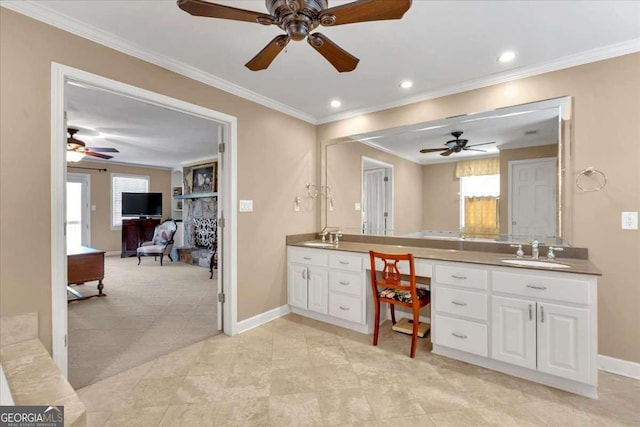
(164, 232)
(390, 275)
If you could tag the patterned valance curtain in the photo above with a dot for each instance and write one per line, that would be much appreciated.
(481, 217)
(478, 167)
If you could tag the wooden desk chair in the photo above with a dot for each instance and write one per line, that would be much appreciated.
(388, 286)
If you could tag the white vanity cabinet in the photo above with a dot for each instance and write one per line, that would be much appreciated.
(539, 325)
(329, 285)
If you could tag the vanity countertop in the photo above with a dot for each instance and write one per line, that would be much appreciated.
(577, 266)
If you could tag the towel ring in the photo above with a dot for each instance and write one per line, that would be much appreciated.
(312, 190)
(590, 171)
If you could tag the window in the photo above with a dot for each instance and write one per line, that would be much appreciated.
(124, 184)
(482, 193)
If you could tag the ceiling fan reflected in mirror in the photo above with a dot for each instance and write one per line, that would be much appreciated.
(77, 150)
(298, 18)
(455, 146)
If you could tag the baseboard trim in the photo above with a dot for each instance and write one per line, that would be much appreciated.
(619, 366)
(262, 318)
(112, 253)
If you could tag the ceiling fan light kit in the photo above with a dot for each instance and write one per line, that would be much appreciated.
(77, 149)
(298, 18)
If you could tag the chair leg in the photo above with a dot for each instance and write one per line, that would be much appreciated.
(376, 322)
(169, 255)
(393, 313)
(138, 259)
(161, 256)
(414, 337)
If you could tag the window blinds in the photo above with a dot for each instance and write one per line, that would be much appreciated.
(124, 184)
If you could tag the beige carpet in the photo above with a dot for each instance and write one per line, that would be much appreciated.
(149, 311)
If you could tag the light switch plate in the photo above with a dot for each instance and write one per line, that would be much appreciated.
(629, 220)
(357, 206)
(246, 205)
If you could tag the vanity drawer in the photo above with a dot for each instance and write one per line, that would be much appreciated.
(345, 262)
(423, 268)
(461, 276)
(345, 281)
(461, 303)
(345, 307)
(309, 256)
(537, 286)
(461, 334)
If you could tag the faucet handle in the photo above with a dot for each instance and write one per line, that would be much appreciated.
(535, 244)
(519, 252)
(551, 254)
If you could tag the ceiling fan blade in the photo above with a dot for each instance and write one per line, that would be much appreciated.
(338, 57)
(364, 10)
(266, 56)
(474, 149)
(484, 143)
(98, 155)
(212, 10)
(447, 153)
(432, 150)
(102, 149)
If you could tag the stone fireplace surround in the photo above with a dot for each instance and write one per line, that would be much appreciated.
(200, 230)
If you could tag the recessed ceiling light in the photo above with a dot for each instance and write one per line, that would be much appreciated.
(507, 57)
(335, 103)
(406, 84)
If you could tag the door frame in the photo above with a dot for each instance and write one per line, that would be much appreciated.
(390, 172)
(85, 180)
(60, 75)
(553, 187)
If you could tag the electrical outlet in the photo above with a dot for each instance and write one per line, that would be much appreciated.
(629, 220)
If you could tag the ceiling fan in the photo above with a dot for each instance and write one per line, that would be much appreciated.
(298, 18)
(77, 149)
(455, 145)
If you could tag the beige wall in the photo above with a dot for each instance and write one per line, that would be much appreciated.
(606, 116)
(102, 236)
(440, 200)
(344, 167)
(507, 156)
(276, 158)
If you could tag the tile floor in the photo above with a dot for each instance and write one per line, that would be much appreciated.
(298, 372)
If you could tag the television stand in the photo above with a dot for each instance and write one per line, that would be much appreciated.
(134, 232)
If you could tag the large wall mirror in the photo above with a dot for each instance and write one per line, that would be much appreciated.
(496, 175)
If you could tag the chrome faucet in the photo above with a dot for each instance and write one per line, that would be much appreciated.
(551, 255)
(336, 237)
(535, 251)
(332, 232)
(519, 252)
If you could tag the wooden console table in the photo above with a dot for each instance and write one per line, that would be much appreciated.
(84, 265)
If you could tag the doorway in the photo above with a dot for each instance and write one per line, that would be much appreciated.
(377, 197)
(227, 213)
(78, 210)
(532, 198)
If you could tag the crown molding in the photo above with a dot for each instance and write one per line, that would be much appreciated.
(48, 16)
(585, 57)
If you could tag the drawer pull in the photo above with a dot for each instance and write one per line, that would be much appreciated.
(540, 288)
(344, 283)
(459, 277)
(462, 304)
(464, 337)
(344, 262)
(308, 258)
(344, 308)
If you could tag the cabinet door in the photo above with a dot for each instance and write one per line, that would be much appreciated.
(513, 331)
(318, 289)
(563, 341)
(297, 286)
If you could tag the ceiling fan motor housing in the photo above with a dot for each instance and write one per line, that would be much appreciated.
(297, 17)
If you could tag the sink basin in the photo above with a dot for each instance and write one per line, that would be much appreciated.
(319, 244)
(534, 263)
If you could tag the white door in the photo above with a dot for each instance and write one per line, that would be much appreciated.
(376, 201)
(318, 289)
(78, 210)
(513, 331)
(532, 198)
(298, 286)
(563, 341)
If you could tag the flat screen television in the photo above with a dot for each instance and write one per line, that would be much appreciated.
(141, 204)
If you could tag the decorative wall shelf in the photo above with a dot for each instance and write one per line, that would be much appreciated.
(196, 196)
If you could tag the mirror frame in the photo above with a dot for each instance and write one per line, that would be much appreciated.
(565, 162)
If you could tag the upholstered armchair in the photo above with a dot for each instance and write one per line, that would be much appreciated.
(162, 242)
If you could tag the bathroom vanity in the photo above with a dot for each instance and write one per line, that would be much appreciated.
(533, 322)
